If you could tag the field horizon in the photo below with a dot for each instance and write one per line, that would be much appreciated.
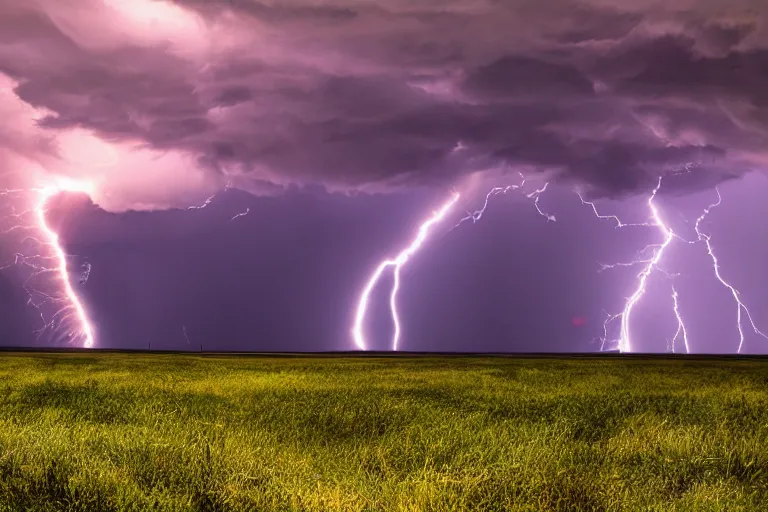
(117, 430)
(605, 354)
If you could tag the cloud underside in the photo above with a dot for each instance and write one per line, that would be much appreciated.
(381, 95)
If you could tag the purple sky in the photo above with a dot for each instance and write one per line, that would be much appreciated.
(341, 126)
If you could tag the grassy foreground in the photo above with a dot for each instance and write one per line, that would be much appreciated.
(174, 432)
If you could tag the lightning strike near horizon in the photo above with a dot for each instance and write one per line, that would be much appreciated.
(625, 341)
(398, 262)
(70, 309)
(405, 255)
(680, 324)
(707, 239)
(650, 264)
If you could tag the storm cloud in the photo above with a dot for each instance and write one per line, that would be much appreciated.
(373, 96)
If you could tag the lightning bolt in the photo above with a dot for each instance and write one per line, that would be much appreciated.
(72, 311)
(625, 342)
(70, 317)
(402, 258)
(478, 214)
(397, 263)
(535, 195)
(617, 220)
(204, 204)
(209, 200)
(649, 264)
(680, 324)
(242, 214)
(740, 306)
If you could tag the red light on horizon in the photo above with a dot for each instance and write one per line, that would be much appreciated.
(579, 321)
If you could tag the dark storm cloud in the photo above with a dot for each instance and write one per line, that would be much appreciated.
(594, 25)
(233, 95)
(725, 37)
(670, 66)
(284, 13)
(396, 93)
(512, 77)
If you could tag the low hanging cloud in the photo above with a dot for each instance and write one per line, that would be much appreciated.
(180, 98)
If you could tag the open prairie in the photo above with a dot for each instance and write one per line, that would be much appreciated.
(111, 431)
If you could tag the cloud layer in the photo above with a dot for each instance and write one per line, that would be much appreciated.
(180, 98)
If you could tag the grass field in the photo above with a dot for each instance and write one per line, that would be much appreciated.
(175, 432)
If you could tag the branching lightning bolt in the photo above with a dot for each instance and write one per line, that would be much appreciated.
(397, 263)
(707, 239)
(478, 214)
(650, 265)
(617, 220)
(535, 195)
(69, 318)
(402, 258)
(71, 311)
(625, 342)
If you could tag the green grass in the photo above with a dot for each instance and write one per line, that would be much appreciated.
(173, 432)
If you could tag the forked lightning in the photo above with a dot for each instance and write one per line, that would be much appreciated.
(70, 315)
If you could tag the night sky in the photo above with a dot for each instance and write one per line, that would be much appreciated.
(247, 165)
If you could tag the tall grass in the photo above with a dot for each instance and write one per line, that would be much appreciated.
(173, 432)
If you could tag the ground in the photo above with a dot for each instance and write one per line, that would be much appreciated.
(90, 431)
